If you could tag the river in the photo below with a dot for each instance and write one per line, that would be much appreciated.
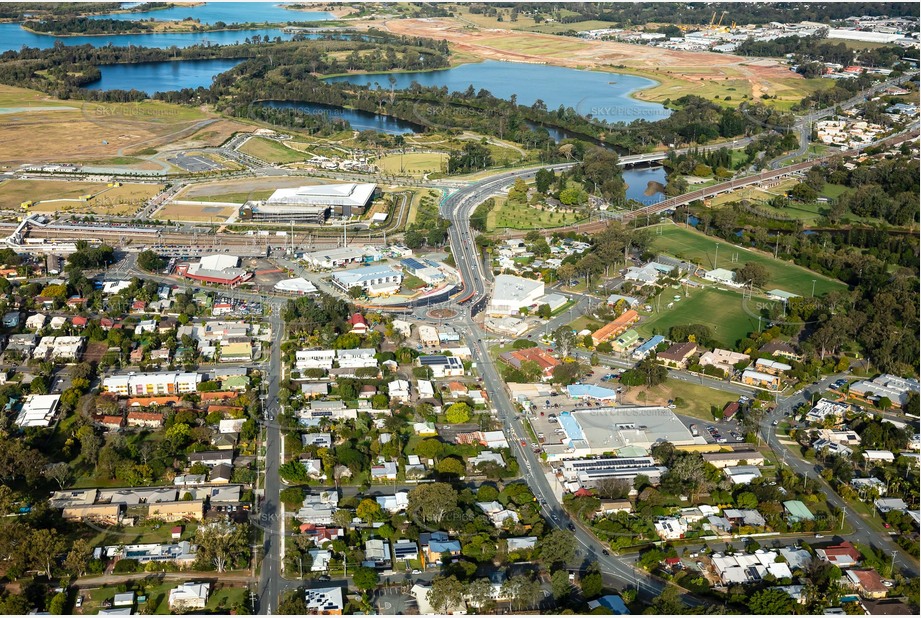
(360, 120)
(227, 12)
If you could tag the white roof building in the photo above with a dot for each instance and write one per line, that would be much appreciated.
(721, 275)
(189, 595)
(298, 285)
(511, 293)
(824, 408)
(895, 388)
(425, 388)
(399, 390)
(374, 280)
(352, 194)
(38, 411)
(324, 600)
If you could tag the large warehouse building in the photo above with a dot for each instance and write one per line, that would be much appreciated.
(312, 204)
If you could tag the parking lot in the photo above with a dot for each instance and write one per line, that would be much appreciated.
(194, 163)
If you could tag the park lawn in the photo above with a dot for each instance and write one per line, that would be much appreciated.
(722, 310)
(238, 197)
(832, 191)
(271, 151)
(520, 216)
(415, 163)
(700, 248)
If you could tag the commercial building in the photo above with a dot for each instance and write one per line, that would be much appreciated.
(178, 511)
(298, 286)
(734, 458)
(374, 280)
(722, 276)
(334, 258)
(312, 204)
(511, 293)
(442, 366)
(218, 269)
(144, 384)
(602, 430)
(587, 472)
(324, 601)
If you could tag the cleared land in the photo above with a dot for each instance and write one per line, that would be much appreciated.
(414, 163)
(66, 196)
(87, 131)
(696, 399)
(701, 249)
(188, 212)
(271, 151)
(242, 189)
(722, 310)
(518, 216)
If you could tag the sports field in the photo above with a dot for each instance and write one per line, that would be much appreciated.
(64, 196)
(271, 151)
(413, 163)
(722, 310)
(519, 216)
(701, 249)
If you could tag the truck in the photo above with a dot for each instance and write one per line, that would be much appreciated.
(694, 431)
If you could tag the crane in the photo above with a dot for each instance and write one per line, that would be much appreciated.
(721, 18)
(712, 19)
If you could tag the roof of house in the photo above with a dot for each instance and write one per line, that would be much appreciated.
(679, 351)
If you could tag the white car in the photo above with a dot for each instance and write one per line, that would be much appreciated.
(417, 572)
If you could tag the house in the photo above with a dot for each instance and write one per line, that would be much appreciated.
(612, 602)
(320, 560)
(610, 507)
(670, 528)
(386, 471)
(824, 408)
(884, 505)
(109, 514)
(221, 474)
(616, 326)
(722, 359)
(865, 485)
(867, 582)
(760, 380)
(436, 544)
(399, 391)
(377, 554)
(314, 359)
(177, 510)
(111, 422)
(730, 410)
(394, 503)
(647, 347)
(520, 543)
(878, 455)
(797, 511)
(359, 325)
(776, 347)
(182, 553)
(678, 353)
(38, 411)
(405, 550)
(357, 358)
(139, 418)
(457, 389)
(188, 596)
(428, 336)
(744, 517)
(484, 458)
(738, 457)
(36, 321)
(211, 458)
(318, 508)
(742, 475)
(544, 360)
(324, 601)
(123, 599)
(498, 514)
(843, 555)
(425, 389)
(643, 275)
(442, 366)
(772, 367)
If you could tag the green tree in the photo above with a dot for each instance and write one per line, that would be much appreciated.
(556, 548)
(368, 510)
(222, 543)
(457, 413)
(446, 594)
(45, 544)
(430, 502)
(592, 583)
(559, 584)
(365, 578)
(451, 466)
(770, 601)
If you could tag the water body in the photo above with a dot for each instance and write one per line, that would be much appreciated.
(151, 77)
(603, 96)
(227, 12)
(360, 120)
(14, 38)
(644, 184)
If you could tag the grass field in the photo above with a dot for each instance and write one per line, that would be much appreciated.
(519, 216)
(239, 197)
(696, 398)
(158, 597)
(701, 249)
(203, 213)
(722, 310)
(121, 200)
(413, 163)
(271, 151)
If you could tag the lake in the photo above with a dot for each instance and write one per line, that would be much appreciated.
(360, 120)
(603, 96)
(151, 77)
(638, 181)
(227, 12)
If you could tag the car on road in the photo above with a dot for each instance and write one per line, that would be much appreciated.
(571, 526)
(79, 602)
(324, 578)
(417, 572)
(774, 424)
(818, 536)
(605, 552)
